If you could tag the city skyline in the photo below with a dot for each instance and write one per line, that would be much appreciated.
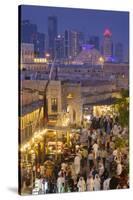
(98, 21)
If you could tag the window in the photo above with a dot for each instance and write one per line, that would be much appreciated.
(54, 106)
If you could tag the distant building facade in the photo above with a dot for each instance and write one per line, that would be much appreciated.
(59, 47)
(52, 34)
(28, 31)
(107, 45)
(119, 52)
(27, 53)
(39, 45)
(30, 34)
(72, 43)
(29, 62)
(94, 40)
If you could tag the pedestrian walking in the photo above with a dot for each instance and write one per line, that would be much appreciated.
(97, 182)
(106, 184)
(81, 185)
(90, 183)
(95, 149)
(60, 182)
(119, 168)
(77, 164)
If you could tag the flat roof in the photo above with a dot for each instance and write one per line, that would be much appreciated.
(95, 82)
(108, 101)
(30, 107)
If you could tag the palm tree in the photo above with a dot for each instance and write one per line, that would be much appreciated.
(121, 106)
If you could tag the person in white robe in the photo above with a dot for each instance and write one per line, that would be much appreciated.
(90, 183)
(60, 182)
(97, 183)
(95, 149)
(81, 185)
(77, 164)
(106, 184)
(119, 168)
(115, 130)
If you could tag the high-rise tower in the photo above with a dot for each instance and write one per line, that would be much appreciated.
(52, 34)
(107, 44)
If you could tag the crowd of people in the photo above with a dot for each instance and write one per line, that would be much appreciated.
(101, 162)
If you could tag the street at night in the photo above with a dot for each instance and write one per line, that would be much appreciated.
(74, 101)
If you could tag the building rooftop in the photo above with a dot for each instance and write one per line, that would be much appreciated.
(85, 65)
(95, 82)
(108, 101)
(30, 107)
(107, 33)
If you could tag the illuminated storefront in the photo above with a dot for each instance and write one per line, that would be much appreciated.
(99, 108)
(102, 110)
(28, 120)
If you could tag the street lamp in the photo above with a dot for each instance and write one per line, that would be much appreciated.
(101, 60)
(47, 55)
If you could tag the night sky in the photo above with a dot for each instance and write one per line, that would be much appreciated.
(90, 22)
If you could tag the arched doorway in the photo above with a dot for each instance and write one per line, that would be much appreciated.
(72, 114)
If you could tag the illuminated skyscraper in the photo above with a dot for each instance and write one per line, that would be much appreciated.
(107, 44)
(75, 43)
(52, 34)
(59, 47)
(71, 43)
(66, 44)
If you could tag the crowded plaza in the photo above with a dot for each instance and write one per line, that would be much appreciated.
(96, 159)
